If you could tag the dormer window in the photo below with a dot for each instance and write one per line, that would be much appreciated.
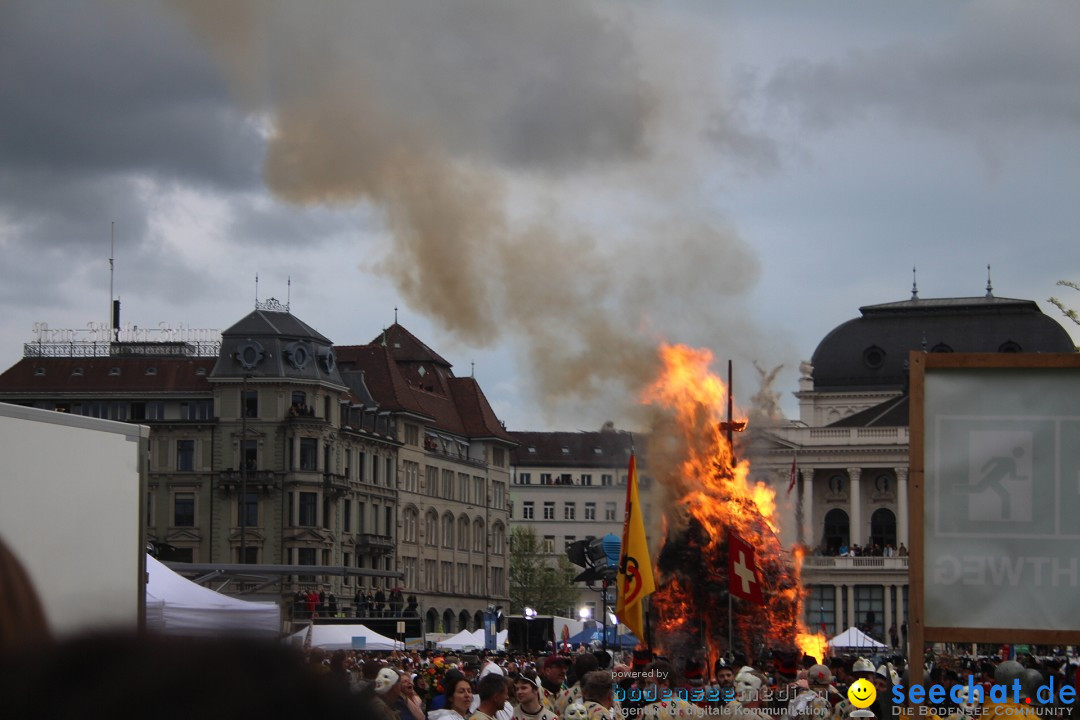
(532, 450)
(77, 372)
(565, 450)
(39, 372)
(200, 371)
(114, 372)
(151, 370)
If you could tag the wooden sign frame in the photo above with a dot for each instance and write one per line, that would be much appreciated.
(919, 634)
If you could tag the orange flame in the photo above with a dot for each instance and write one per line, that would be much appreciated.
(713, 494)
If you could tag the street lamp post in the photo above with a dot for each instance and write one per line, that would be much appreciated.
(243, 471)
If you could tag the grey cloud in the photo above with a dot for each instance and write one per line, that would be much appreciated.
(1009, 67)
(96, 88)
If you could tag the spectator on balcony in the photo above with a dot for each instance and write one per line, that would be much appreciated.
(380, 602)
(312, 602)
(843, 550)
(412, 606)
(360, 602)
(903, 551)
(890, 551)
(397, 601)
(331, 604)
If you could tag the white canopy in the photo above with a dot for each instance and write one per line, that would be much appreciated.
(340, 637)
(463, 639)
(856, 638)
(475, 639)
(177, 606)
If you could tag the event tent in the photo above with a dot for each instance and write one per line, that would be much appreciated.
(462, 640)
(475, 639)
(340, 637)
(855, 638)
(177, 606)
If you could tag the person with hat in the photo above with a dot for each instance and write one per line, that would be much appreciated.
(659, 688)
(552, 677)
(527, 692)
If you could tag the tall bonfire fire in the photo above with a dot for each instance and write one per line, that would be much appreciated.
(709, 493)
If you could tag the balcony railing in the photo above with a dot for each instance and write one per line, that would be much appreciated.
(335, 483)
(370, 542)
(851, 563)
(262, 480)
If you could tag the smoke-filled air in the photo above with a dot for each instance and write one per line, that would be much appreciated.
(474, 128)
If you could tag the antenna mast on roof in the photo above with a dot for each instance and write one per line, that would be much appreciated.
(914, 284)
(989, 287)
(256, 291)
(112, 252)
(395, 314)
(288, 293)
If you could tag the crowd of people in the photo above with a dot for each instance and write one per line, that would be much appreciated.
(318, 602)
(856, 550)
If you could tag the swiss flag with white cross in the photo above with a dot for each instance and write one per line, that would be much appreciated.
(743, 579)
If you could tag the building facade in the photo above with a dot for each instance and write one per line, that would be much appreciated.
(273, 446)
(568, 486)
(850, 447)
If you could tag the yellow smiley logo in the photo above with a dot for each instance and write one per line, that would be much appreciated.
(862, 693)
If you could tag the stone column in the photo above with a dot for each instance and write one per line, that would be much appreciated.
(809, 529)
(886, 622)
(850, 606)
(838, 625)
(855, 508)
(902, 507)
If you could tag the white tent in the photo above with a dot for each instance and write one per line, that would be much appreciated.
(177, 606)
(340, 637)
(856, 638)
(475, 639)
(463, 640)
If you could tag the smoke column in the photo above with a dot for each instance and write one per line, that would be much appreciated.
(536, 165)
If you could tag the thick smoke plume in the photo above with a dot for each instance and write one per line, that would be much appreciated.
(536, 168)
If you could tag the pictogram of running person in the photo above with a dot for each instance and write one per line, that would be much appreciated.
(993, 473)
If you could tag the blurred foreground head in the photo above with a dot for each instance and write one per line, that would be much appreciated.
(123, 675)
(22, 618)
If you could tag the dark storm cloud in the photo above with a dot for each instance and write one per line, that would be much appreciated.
(95, 88)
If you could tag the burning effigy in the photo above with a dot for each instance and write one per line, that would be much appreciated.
(709, 496)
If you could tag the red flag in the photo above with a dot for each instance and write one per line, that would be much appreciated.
(794, 474)
(743, 580)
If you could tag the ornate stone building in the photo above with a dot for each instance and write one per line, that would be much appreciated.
(851, 445)
(275, 447)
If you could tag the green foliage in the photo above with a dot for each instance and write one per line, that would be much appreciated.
(544, 582)
(1065, 309)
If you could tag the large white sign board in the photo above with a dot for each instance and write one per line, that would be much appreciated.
(71, 492)
(1002, 502)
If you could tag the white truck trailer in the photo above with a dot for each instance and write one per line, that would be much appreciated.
(72, 500)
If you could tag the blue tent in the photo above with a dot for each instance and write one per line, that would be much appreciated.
(591, 635)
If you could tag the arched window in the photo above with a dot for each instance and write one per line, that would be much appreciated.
(448, 621)
(836, 530)
(411, 520)
(431, 528)
(448, 530)
(478, 620)
(463, 533)
(883, 528)
(498, 539)
(479, 541)
(463, 620)
(431, 619)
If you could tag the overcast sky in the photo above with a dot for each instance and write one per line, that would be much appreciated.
(545, 189)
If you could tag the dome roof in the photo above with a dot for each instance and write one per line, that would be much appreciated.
(871, 352)
(273, 343)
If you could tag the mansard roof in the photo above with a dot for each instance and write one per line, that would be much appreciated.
(871, 352)
(405, 375)
(77, 376)
(603, 449)
(276, 344)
